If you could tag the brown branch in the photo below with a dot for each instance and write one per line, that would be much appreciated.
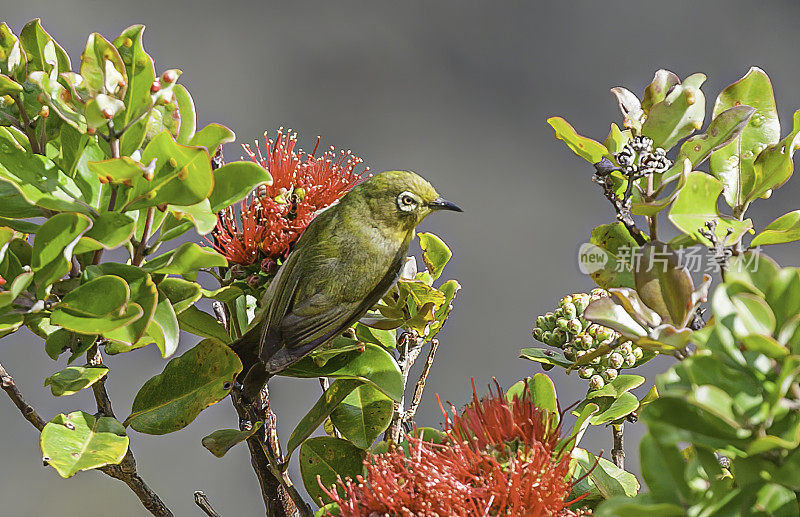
(408, 416)
(10, 387)
(409, 346)
(621, 206)
(201, 500)
(141, 246)
(28, 127)
(618, 451)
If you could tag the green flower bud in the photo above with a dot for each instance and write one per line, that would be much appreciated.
(541, 322)
(537, 334)
(596, 382)
(569, 311)
(574, 326)
(630, 360)
(615, 360)
(604, 333)
(546, 337)
(585, 372)
(569, 353)
(610, 374)
(625, 348)
(585, 342)
(565, 300)
(580, 301)
(638, 352)
(562, 323)
(559, 338)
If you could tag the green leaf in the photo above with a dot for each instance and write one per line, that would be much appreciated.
(328, 458)
(202, 324)
(663, 470)
(233, 181)
(225, 294)
(588, 149)
(696, 205)
(604, 478)
(141, 74)
(10, 323)
(546, 356)
(74, 378)
(363, 415)
(374, 365)
(101, 67)
(435, 253)
(12, 61)
(182, 175)
(774, 166)
(18, 285)
(185, 260)
(52, 248)
(188, 116)
(325, 405)
(181, 293)
(212, 137)
(98, 306)
(618, 245)
(723, 129)
(8, 86)
(659, 87)
(41, 49)
(117, 170)
(190, 383)
(614, 409)
(142, 293)
(785, 228)
(733, 164)
(385, 338)
(164, 330)
(783, 294)
(109, 231)
(221, 441)
(775, 499)
(664, 285)
(78, 441)
(630, 106)
(677, 116)
(622, 384)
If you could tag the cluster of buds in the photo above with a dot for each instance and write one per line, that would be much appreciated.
(638, 158)
(566, 328)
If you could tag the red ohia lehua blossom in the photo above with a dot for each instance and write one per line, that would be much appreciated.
(501, 457)
(272, 217)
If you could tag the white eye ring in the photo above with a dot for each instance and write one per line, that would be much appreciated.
(406, 201)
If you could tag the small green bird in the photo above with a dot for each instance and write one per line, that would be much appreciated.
(344, 262)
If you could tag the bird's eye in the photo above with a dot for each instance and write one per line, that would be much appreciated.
(406, 201)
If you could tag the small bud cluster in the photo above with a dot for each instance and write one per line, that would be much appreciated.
(638, 159)
(567, 329)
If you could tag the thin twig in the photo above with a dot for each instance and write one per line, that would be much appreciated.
(618, 451)
(201, 500)
(621, 206)
(28, 127)
(10, 387)
(139, 249)
(420, 387)
(409, 346)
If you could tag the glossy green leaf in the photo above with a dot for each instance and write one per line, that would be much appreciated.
(610, 312)
(385, 338)
(202, 324)
(616, 409)
(181, 293)
(363, 415)
(117, 170)
(182, 175)
(618, 245)
(212, 137)
(320, 411)
(586, 148)
(786, 228)
(74, 378)
(775, 165)
(109, 231)
(98, 306)
(374, 365)
(233, 181)
(141, 74)
(12, 62)
(188, 115)
(52, 248)
(659, 88)
(9, 86)
(733, 164)
(663, 470)
(622, 384)
(200, 215)
(328, 458)
(185, 260)
(17, 286)
(10, 323)
(78, 441)
(142, 293)
(546, 356)
(783, 294)
(164, 330)
(677, 116)
(101, 67)
(41, 49)
(603, 478)
(221, 441)
(696, 205)
(663, 284)
(616, 139)
(190, 383)
(725, 127)
(435, 253)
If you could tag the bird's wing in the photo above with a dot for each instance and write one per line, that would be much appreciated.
(313, 321)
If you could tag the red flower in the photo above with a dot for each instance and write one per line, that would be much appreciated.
(272, 217)
(501, 459)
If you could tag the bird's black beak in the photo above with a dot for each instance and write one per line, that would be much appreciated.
(443, 204)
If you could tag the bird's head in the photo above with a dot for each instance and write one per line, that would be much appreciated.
(400, 199)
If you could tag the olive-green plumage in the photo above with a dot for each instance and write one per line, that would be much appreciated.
(344, 262)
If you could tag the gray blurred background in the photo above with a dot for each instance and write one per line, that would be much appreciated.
(458, 91)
